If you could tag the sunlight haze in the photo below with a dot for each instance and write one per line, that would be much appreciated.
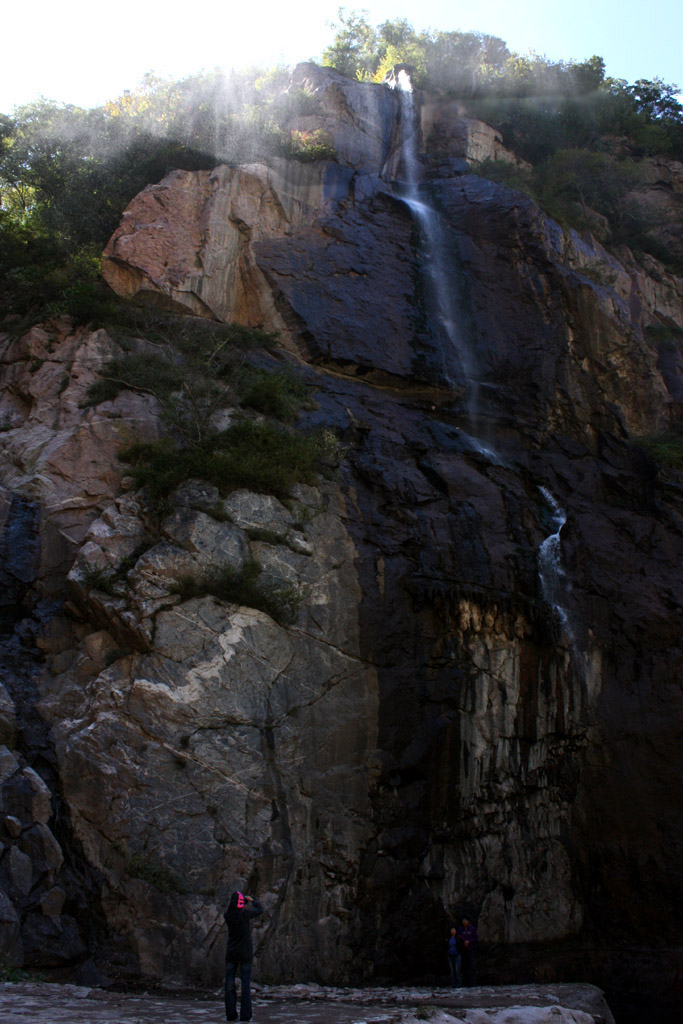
(76, 52)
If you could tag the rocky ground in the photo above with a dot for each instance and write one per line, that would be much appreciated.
(521, 1004)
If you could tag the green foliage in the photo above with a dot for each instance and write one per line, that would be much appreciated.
(294, 102)
(149, 870)
(425, 1012)
(454, 62)
(506, 174)
(257, 456)
(536, 126)
(645, 241)
(105, 578)
(330, 452)
(541, 117)
(146, 372)
(670, 338)
(194, 372)
(354, 49)
(66, 174)
(655, 100)
(243, 587)
(310, 145)
(98, 577)
(218, 513)
(575, 185)
(246, 338)
(198, 368)
(195, 336)
(304, 514)
(666, 448)
(11, 974)
(161, 466)
(462, 63)
(600, 274)
(278, 394)
(580, 181)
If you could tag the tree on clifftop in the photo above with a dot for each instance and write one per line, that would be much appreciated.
(354, 49)
(449, 61)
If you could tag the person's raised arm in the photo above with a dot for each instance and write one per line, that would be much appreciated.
(254, 908)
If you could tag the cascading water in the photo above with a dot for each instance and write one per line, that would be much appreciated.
(434, 248)
(443, 295)
(553, 579)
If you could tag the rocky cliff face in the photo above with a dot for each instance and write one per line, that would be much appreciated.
(478, 707)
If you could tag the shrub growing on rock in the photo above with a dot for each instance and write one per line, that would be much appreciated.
(279, 394)
(98, 577)
(243, 587)
(150, 871)
(307, 146)
(258, 456)
(146, 372)
(666, 448)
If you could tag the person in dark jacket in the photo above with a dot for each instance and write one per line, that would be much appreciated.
(240, 953)
(454, 958)
(467, 939)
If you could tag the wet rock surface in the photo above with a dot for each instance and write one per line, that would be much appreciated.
(561, 1004)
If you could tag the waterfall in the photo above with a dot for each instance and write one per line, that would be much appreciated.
(433, 242)
(408, 133)
(442, 293)
(554, 585)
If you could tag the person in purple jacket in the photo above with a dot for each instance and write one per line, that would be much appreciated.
(467, 938)
(240, 953)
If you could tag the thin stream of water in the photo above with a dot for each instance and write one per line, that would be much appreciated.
(433, 241)
(553, 578)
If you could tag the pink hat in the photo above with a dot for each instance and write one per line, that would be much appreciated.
(240, 901)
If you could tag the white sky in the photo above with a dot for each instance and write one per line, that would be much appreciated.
(85, 53)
